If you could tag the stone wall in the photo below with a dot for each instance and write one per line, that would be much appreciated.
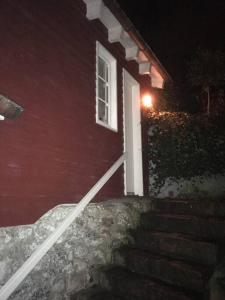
(86, 245)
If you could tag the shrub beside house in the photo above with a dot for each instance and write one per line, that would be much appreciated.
(186, 155)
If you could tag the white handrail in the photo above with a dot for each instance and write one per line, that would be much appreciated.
(10, 286)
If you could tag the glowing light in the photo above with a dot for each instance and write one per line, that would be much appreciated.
(2, 118)
(147, 101)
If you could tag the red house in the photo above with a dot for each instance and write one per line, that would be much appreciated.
(78, 70)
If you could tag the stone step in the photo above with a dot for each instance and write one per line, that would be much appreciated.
(177, 246)
(133, 286)
(173, 272)
(94, 293)
(197, 227)
(190, 207)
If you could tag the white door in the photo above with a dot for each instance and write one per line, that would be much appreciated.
(133, 175)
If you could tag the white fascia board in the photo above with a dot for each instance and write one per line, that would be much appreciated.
(130, 46)
(142, 57)
(131, 52)
(126, 40)
(108, 19)
(144, 68)
(156, 78)
(112, 24)
(94, 9)
(114, 33)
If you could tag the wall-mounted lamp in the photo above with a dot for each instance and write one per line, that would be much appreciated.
(147, 101)
(9, 109)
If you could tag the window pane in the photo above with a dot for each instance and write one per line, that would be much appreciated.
(101, 89)
(102, 112)
(106, 114)
(102, 68)
(107, 93)
(107, 73)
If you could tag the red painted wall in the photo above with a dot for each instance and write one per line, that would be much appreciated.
(55, 151)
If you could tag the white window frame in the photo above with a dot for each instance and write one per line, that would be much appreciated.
(112, 87)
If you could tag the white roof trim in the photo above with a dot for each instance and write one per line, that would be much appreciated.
(157, 80)
(145, 68)
(142, 57)
(96, 9)
(114, 33)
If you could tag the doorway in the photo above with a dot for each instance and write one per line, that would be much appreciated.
(133, 171)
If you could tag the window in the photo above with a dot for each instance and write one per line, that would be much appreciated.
(106, 88)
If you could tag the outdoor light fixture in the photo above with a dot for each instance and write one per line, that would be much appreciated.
(9, 109)
(147, 101)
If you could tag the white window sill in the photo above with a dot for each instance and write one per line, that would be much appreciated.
(106, 125)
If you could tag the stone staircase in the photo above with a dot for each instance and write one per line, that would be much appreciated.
(175, 251)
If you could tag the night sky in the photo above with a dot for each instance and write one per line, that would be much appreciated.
(174, 29)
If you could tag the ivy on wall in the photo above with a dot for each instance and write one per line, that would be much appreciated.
(182, 146)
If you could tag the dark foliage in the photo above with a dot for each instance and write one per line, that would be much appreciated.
(206, 73)
(182, 146)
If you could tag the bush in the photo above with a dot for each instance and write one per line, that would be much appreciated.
(183, 146)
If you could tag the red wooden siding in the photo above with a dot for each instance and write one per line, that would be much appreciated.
(55, 151)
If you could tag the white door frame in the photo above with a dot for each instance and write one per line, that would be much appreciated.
(133, 170)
